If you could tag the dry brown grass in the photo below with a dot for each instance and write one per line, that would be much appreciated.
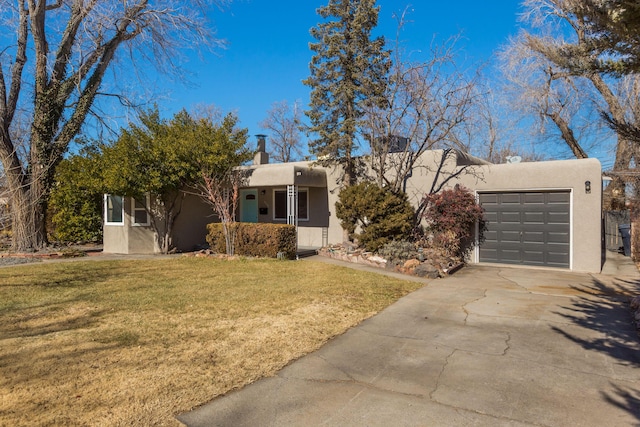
(137, 342)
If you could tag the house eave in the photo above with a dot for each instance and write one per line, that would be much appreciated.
(283, 174)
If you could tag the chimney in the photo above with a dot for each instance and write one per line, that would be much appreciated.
(261, 157)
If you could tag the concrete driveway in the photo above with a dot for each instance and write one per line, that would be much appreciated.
(487, 346)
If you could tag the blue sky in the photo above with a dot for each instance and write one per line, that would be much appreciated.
(268, 53)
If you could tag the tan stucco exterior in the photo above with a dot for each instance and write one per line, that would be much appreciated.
(127, 238)
(189, 230)
(571, 175)
(432, 171)
(190, 227)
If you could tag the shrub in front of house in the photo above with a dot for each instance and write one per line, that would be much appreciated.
(379, 215)
(451, 217)
(255, 239)
(75, 203)
(398, 251)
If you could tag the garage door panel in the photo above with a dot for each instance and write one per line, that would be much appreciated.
(558, 259)
(558, 238)
(516, 208)
(533, 257)
(489, 254)
(533, 198)
(558, 207)
(509, 217)
(509, 236)
(559, 197)
(533, 236)
(490, 216)
(558, 218)
(531, 228)
(488, 198)
(510, 256)
(490, 237)
(509, 198)
(533, 217)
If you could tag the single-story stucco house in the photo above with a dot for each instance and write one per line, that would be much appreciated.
(545, 214)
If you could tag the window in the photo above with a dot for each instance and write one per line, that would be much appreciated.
(140, 213)
(113, 210)
(280, 204)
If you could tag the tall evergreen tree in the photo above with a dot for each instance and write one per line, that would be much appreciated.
(615, 29)
(348, 72)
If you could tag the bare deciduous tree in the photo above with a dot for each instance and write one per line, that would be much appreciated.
(53, 67)
(222, 193)
(552, 20)
(221, 149)
(426, 102)
(628, 90)
(539, 88)
(567, 42)
(284, 123)
(491, 131)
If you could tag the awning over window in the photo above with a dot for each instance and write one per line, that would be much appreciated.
(282, 174)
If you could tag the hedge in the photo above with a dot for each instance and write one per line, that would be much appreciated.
(253, 239)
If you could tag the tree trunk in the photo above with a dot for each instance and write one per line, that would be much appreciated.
(28, 221)
(568, 135)
(163, 217)
(616, 188)
(27, 205)
(623, 151)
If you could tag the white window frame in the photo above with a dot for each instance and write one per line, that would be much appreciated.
(106, 213)
(135, 209)
(301, 190)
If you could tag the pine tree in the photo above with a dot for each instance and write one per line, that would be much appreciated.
(611, 29)
(348, 72)
(615, 25)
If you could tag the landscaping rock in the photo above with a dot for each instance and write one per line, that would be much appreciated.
(377, 259)
(411, 264)
(426, 269)
(434, 265)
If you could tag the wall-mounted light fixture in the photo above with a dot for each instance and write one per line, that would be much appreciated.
(587, 187)
(263, 192)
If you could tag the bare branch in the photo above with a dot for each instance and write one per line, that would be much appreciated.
(284, 123)
(426, 102)
(74, 43)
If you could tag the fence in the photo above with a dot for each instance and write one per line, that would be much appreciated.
(612, 219)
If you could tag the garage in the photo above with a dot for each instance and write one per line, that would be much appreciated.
(527, 228)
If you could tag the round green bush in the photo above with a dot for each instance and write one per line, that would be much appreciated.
(374, 216)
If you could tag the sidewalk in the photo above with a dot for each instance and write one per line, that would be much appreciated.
(487, 346)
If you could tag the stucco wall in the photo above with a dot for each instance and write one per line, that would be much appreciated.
(142, 240)
(114, 238)
(126, 238)
(432, 171)
(190, 227)
(586, 208)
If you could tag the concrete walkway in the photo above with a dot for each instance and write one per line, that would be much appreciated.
(488, 346)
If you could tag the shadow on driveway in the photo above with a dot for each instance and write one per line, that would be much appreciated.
(605, 310)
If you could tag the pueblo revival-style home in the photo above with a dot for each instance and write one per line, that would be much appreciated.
(545, 214)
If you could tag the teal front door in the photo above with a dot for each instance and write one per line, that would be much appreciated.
(248, 205)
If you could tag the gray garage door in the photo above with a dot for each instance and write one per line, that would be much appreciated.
(527, 228)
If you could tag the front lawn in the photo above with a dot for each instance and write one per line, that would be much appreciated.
(137, 342)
